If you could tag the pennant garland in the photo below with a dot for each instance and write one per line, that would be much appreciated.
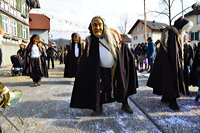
(63, 20)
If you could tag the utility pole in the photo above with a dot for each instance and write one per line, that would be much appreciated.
(169, 5)
(182, 8)
(145, 22)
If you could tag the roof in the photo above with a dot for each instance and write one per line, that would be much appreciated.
(39, 22)
(193, 12)
(125, 38)
(151, 24)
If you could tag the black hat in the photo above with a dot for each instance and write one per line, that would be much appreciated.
(149, 38)
(180, 23)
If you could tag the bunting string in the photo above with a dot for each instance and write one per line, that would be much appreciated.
(72, 24)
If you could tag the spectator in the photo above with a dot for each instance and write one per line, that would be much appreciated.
(51, 54)
(61, 56)
(21, 51)
(151, 53)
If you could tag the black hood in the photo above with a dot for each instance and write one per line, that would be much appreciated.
(180, 23)
(33, 3)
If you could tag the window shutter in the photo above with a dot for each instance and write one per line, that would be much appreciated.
(18, 29)
(192, 36)
(19, 6)
(1, 20)
(26, 10)
(27, 33)
(196, 35)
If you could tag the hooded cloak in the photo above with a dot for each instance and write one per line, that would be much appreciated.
(86, 90)
(167, 75)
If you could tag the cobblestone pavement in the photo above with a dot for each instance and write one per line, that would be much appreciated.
(45, 109)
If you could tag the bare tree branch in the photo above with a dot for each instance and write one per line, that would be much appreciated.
(124, 24)
(172, 3)
(160, 13)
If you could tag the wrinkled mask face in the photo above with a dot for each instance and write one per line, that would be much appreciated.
(97, 27)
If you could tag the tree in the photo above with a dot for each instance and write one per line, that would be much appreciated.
(166, 6)
(124, 24)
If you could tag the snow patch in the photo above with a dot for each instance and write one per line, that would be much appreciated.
(173, 121)
(109, 131)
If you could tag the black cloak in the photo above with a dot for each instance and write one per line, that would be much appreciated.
(166, 77)
(71, 61)
(86, 90)
(194, 75)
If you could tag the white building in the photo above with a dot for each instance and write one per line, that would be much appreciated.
(153, 31)
(194, 16)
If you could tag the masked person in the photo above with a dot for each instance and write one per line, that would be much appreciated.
(195, 72)
(106, 72)
(166, 78)
(74, 52)
(188, 58)
(35, 63)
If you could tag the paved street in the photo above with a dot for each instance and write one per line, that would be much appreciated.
(45, 109)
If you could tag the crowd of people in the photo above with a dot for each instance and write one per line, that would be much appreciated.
(105, 69)
(145, 55)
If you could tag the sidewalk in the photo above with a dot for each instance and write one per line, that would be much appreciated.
(45, 109)
(187, 120)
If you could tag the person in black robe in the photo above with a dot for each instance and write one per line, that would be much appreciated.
(35, 61)
(166, 78)
(188, 58)
(106, 72)
(74, 52)
(195, 72)
(51, 55)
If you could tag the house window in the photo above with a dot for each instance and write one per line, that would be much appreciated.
(192, 36)
(23, 9)
(197, 36)
(137, 29)
(135, 38)
(6, 7)
(23, 32)
(12, 3)
(142, 27)
(14, 28)
(198, 19)
(2, 5)
(5, 24)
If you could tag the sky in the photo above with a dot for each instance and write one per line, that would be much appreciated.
(68, 16)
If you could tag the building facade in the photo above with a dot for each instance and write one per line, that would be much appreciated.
(194, 16)
(14, 20)
(153, 31)
(40, 24)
